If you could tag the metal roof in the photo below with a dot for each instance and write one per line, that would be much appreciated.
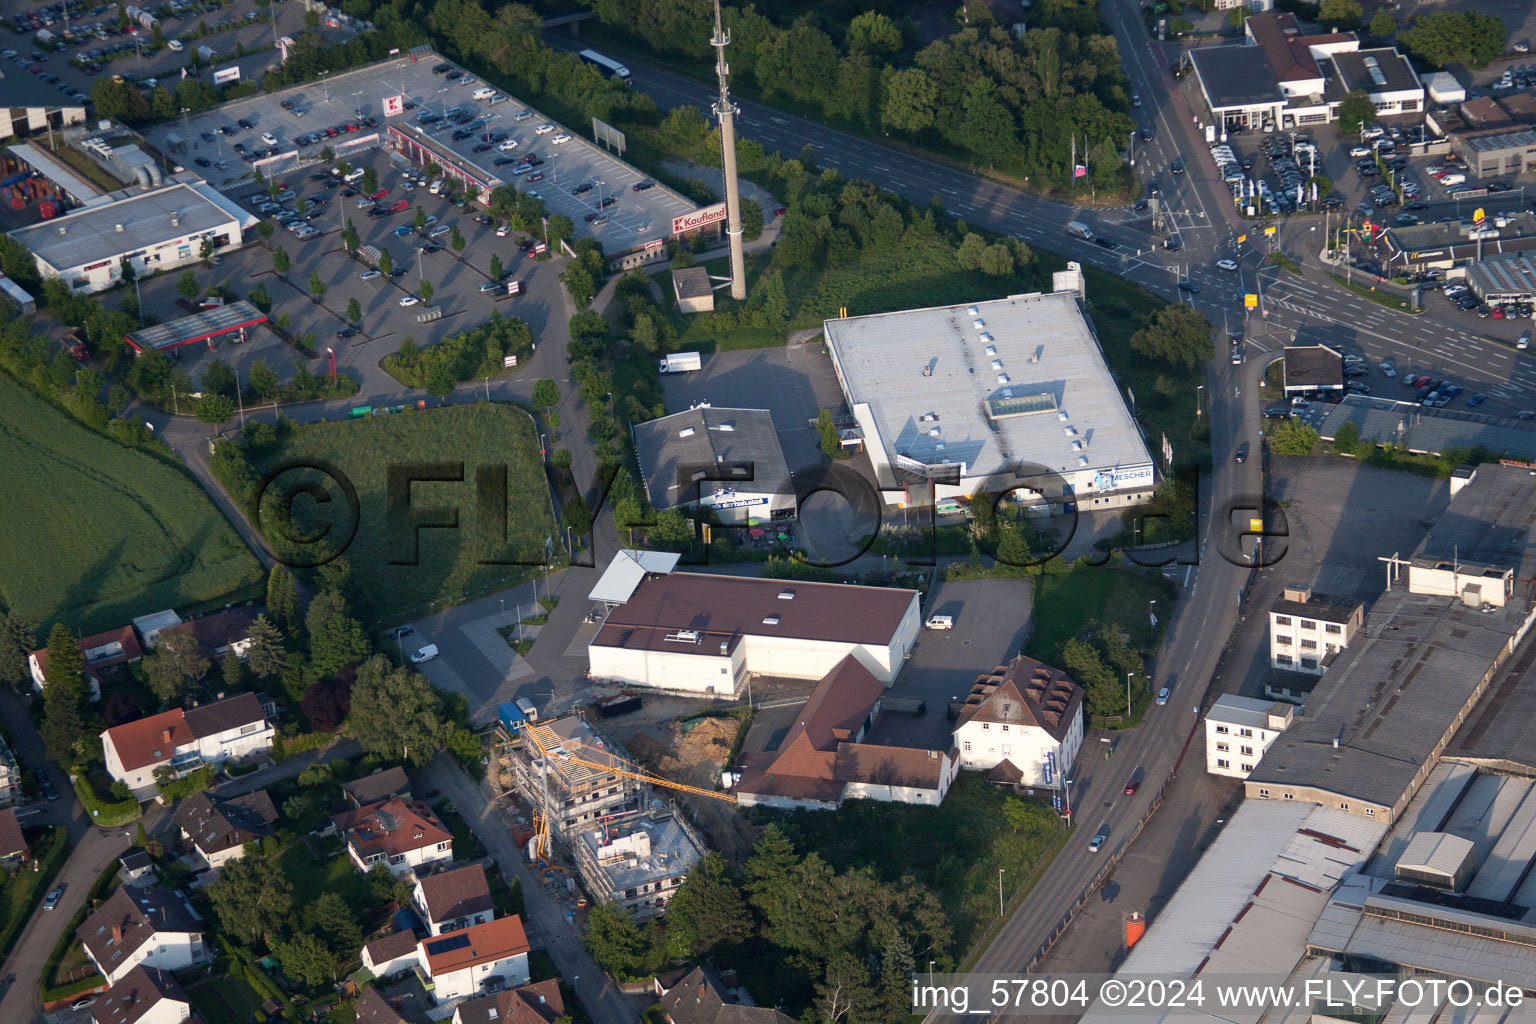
(1524, 138)
(1426, 813)
(1236, 76)
(55, 170)
(1438, 852)
(626, 571)
(1431, 431)
(673, 452)
(1235, 710)
(132, 224)
(210, 323)
(1509, 860)
(931, 379)
(1500, 275)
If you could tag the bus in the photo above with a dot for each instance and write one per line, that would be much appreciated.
(610, 68)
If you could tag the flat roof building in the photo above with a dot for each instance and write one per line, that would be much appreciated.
(150, 231)
(1438, 245)
(1504, 278)
(233, 318)
(572, 795)
(1428, 431)
(1307, 630)
(999, 395)
(637, 862)
(708, 634)
(728, 460)
(1313, 368)
(693, 290)
(1238, 730)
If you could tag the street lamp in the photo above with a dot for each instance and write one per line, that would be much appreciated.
(1000, 891)
(325, 86)
(1128, 694)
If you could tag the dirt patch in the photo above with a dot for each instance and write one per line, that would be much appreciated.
(694, 753)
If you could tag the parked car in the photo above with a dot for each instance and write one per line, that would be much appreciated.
(409, 300)
(53, 898)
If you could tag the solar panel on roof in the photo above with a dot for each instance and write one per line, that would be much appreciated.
(447, 945)
(1010, 403)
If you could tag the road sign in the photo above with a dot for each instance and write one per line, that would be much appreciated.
(1241, 239)
(1250, 301)
(1270, 230)
(1256, 525)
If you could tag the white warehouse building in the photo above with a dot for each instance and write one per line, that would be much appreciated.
(706, 634)
(161, 229)
(1007, 395)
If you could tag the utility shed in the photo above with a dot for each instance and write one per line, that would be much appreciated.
(691, 286)
(1437, 858)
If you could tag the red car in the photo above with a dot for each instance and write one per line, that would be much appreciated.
(1130, 787)
(779, 212)
(536, 176)
(399, 204)
(351, 126)
(380, 194)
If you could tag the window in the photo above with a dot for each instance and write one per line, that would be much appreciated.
(1332, 628)
(1245, 732)
(246, 730)
(1309, 645)
(1221, 730)
(1283, 641)
(1308, 624)
(1370, 812)
(1247, 767)
(1222, 746)
(1288, 796)
(1222, 764)
(1247, 751)
(985, 726)
(1005, 728)
(1282, 620)
(967, 746)
(1309, 663)
(1343, 806)
(1283, 659)
(1265, 792)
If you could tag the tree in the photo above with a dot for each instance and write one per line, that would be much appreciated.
(187, 286)
(560, 230)
(217, 378)
(251, 897)
(326, 705)
(1293, 437)
(1453, 37)
(263, 379)
(577, 516)
(283, 598)
(441, 380)
(349, 236)
(612, 938)
(265, 655)
(331, 918)
(386, 261)
(316, 285)
(1382, 25)
(497, 270)
(1342, 15)
(1354, 111)
(370, 179)
(421, 218)
(384, 888)
(338, 641)
(233, 671)
(560, 458)
(579, 282)
(456, 239)
(281, 262)
(17, 641)
(176, 665)
(830, 443)
(874, 34)
(707, 912)
(354, 310)
(214, 409)
(971, 251)
(64, 695)
(395, 712)
(546, 393)
(1178, 335)
(426, 292)
(304, 957)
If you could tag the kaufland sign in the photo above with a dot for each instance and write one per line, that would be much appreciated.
(698, 218)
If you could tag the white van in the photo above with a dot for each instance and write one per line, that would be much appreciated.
(174, 44)
(427, 653)
(1077, 229)
(437, 186)
(354, 174)
(941, 622)
(483, 93)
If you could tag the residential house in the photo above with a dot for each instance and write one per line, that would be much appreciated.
(1238, 730)
(151, 926)
(1306, 630)
(374, 1007)
(185, 739)
(10, 776)
(13, 845)
(136, 868)
(145, 995)
(698, 999)
(219, 829)
(380, 786)
(105, 655)
(403, 834)
(1023, 724)
(391, 954)
(220, 632)
(452, 900)
(149, 626)
(478, 960)
(538, 1003)
(824, 759)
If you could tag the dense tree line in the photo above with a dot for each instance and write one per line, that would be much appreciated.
(478, 352)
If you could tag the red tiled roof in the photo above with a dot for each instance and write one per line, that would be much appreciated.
(125, 636)
(12, 842)
(391, 827)
(1025, 693)
(145, 742)
(480, 944)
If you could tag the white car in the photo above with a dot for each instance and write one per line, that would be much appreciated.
(501, 232)
(370, 275)
(174, 44)
(544, 129)
(1228, 265)
(1388, 369)
(409, 300)
(560, 139)
(268, 139)
(1360, 151)
(507, 146)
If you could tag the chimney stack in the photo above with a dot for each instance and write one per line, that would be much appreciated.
(165, 735)
(117, 933)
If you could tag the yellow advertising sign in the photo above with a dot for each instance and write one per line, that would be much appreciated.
(1256, 525)
(1477, 216)
(1241, 239)
(1269, 230)
(1250, 301)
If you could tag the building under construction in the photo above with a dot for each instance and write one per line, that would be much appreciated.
(637, 859)
(567, 786)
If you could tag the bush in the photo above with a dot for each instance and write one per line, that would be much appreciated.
(183, 787)
(474, 354)
(105, 813)
(284, 746)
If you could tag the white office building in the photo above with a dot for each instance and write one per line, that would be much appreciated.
(1307, 630)
(1008, 395)
(1238, 730)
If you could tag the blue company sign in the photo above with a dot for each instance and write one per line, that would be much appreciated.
(729, 499)
(1107, 480)
(1050, 766)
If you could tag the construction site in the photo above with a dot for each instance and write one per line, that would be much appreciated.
(591, 807)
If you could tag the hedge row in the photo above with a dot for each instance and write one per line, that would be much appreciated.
(74, 988)
(284, 746)
(49, 862)
(106, 813)
(194, 782)
(99, 888)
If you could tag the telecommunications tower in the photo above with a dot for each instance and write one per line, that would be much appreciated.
(726, 111)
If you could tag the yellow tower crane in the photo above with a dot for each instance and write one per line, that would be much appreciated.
(619, 766)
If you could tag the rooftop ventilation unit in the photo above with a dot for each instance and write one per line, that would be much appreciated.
(1062, 415)
(1002, 378)
(684, 636)
(929, 417)
(934, 432)
(786, 595)
(119, 228)
(972, 311)
(991, 350)
(1373, 68)
(1070, 430)
(1077, 446)
(771, 620)
(1082, 460)
(997, 364)
(685, 432)
(986, 336)
(978, 324)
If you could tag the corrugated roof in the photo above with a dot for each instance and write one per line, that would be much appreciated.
(1426, 813)
(85, 235)
(625, 572)
(1438, 852)
(1509, 860)
(1432, 431)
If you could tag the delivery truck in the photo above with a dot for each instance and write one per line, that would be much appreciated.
(680, 362)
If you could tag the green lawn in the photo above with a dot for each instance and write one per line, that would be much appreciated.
(24, 890)
(486, 552)
(955, 849)
(313, 876)
(224, 999)
(109, 532)
(1115, 597)
(1165, 397)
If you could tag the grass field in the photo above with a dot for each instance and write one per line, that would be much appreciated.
(101, 533)
(312, 876)
(224, 999)
(1115, 597)
(1165, 397)
(491, 547)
